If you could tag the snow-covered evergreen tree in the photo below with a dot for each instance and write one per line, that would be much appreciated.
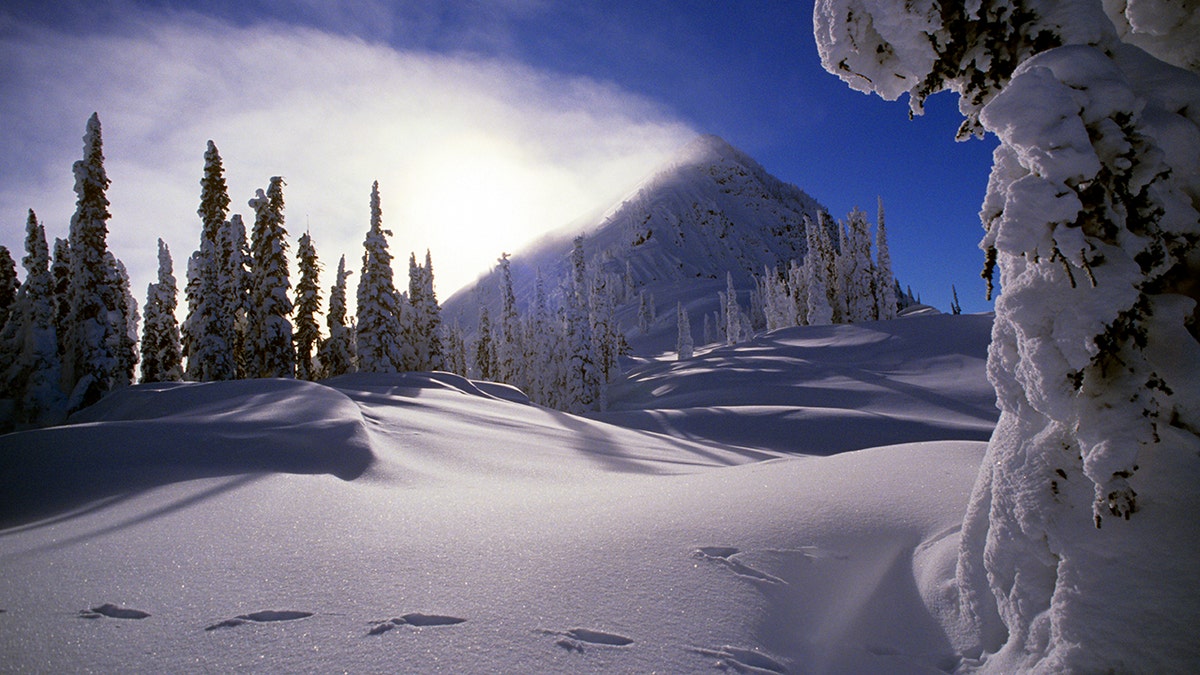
(732, 312)
(581, 379)
(816, 274)
(798, 292)
(426, 325)
(209, 328)
(60, 270)
(31, 367)
(270, 332)
(456, 350)
(1092, 219)
(162, 354)
(643, 313)
(336, 352)
(380, 346)
(485, 347)
(234, 287)
(885, 280)
(683, 344)
(308, 306)
(93, 364)
(9, 283)
(509, 349)
(708, 332)
(127, 314)
(540, 339)
(605, 341)
(855, 270)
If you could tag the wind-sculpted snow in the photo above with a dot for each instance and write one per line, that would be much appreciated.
(822, 389)
(149, 435)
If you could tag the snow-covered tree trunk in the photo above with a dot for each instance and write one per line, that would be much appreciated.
(1078, 548)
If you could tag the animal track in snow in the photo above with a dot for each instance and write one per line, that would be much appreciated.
(265, 616)
(113, 612)
(743, 660)
(574, 640)
(415, 619)
(725, 555)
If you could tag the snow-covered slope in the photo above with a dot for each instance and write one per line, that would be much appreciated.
(800, 389)
(426, 523)
(709, 210)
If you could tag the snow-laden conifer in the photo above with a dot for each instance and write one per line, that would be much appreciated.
(127, 314)
(308, 306)
(269, 342)
(643, 313)
(605, 337)
(816, 274)
(456, 350)
(60, 270)
(426, 325)
(208, 326)
(162, 355)
(885, 280)
(1091, 219)
(485, 347)
(732, 312)
(336, 352)
(540, 342)
(509, 350)
(93, 364)
(233, 285)
(31, 367)
(379, 344)
(9, 283)
(855, 269)
(581, 379)
(798, 292)
(683, 344)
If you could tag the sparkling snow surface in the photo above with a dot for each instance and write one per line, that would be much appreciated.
(425, 523)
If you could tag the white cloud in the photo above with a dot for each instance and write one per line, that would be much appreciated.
(474, 156)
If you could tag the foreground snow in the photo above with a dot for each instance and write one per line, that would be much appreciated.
(425, 523)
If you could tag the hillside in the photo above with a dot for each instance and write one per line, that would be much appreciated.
(709, 210)
(427, 523)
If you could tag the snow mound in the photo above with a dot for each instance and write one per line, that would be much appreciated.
(148, 435)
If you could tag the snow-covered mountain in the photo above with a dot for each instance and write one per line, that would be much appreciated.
(709, 210)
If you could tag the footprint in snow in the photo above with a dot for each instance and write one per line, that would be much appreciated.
(575, 639)
(415, 619)
(113, 612)
(726, 555)
(266, 616)
(743, 660)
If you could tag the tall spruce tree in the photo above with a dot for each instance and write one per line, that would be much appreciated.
(485, 347)
(856, 271)
(9, 283)
(308, 306)
(425, 328)
(93, 364)
(336, 352)
(211, 329)
(885, 280)
(162, 354)
(684, 344)
(32, 369)
(379, 340)
(509, 350)
(270, 341)
(127, 308)
(816, 274)
(581, 376)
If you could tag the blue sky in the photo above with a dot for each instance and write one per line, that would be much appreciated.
(573, 100)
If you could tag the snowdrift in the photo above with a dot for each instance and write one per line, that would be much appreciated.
(425, 523)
